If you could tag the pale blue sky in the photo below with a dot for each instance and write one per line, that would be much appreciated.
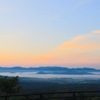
(42, 25)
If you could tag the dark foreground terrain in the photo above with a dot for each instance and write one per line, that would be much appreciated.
(56, 89)
(31, 85)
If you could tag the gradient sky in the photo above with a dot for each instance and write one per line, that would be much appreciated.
(50, 32)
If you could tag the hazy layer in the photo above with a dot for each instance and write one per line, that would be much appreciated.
(34, 75)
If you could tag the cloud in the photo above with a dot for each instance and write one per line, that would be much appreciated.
(96, 32)
(80, 50)
(83, 49)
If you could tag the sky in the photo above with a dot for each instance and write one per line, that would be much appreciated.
(50, 33)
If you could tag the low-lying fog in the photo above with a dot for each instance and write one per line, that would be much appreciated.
(34, 75)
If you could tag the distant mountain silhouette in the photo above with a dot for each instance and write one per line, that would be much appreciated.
(50, 70)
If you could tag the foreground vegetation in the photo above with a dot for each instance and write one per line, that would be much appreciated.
(11, 89)
(9, 85)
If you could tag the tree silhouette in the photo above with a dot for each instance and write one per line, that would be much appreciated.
(9, 85)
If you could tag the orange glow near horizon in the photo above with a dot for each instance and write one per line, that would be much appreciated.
(78, 50)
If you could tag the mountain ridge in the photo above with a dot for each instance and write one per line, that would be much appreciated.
(51, 70)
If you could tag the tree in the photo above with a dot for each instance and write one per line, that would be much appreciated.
(9, 85)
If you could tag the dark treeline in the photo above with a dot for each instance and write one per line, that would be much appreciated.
(16, 85)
